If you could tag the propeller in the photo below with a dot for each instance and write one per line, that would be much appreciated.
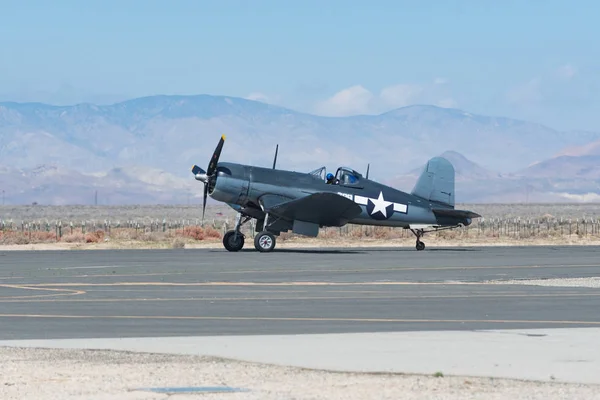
(204, 176)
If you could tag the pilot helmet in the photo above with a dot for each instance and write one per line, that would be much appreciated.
(329, 176)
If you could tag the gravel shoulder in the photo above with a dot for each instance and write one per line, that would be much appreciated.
(308, 243)
(106, 375)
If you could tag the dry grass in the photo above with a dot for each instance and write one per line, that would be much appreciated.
(119, 237)
(178, 227)
(140, 214)
(220, 213)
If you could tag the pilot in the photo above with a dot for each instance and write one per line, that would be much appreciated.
(330, 178)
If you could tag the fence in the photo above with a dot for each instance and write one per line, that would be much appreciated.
(493, 228)
(514, 228)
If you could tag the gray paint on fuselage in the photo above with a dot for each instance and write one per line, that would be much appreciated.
(243, 184)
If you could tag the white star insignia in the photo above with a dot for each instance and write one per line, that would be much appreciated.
(380, 205)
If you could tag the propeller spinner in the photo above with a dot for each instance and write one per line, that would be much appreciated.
(204, 176)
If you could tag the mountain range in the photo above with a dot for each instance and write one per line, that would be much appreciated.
(141, 150)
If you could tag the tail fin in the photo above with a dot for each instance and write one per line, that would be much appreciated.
(436, 182)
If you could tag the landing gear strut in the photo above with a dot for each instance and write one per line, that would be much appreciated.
(418, 233)
(234, 240)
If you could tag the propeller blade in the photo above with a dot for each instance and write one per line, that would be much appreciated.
(275, 159)
(368, 165)
(203, 176)
(199, 174)
(197, 170)
(204, 203)
(212, 165)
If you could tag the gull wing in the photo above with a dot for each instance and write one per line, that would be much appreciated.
(324, 209)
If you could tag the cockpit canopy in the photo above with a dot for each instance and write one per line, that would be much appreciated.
(347, 176)
(319, 173)
(343, 175)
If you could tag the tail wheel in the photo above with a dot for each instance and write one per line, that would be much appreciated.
(264, 241)
(420, 245)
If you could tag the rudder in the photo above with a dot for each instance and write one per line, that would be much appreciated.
(436, 182)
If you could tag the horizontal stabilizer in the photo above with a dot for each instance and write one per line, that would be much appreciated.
(455, 213)
(325, 209)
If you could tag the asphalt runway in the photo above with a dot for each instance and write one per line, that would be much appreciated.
(185, 292)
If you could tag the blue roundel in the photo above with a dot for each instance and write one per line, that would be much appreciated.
(379, 208)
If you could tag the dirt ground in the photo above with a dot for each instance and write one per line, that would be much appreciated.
(109, 375)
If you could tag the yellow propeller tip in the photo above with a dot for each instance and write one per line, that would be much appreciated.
(223, 137)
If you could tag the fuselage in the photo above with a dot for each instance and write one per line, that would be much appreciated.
(243, 185)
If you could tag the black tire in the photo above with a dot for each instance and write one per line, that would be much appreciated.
(264, 241)
(230, 242)
(420, 245)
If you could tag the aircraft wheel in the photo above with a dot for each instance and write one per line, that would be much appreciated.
(420, 245)
(264, 241)
(231, 243)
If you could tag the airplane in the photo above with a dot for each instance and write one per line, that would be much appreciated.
(282, 200)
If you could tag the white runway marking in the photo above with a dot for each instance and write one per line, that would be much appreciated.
(591, 282)
(93, 267)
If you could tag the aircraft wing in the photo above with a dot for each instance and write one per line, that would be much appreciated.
(325, 209)
(268, 201)
(455, 213)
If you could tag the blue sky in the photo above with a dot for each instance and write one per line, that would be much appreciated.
(537, 60)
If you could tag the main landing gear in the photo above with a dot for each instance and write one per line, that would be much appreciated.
(418, 233)
(234, 240)
(264, 241)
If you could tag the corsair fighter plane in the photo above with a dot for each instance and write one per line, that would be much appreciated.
(282, 201)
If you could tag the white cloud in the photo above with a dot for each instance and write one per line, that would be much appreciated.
(351, 101)
(567, 71)
(263, 98)
(584, 198)
(399, 95)
(447, 103)
(357, 99)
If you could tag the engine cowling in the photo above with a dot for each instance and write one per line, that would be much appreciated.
(229, 188)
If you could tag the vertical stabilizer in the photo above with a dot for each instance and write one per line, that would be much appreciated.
(436, 182)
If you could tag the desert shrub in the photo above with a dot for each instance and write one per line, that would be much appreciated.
(18, 237)
(284, 236)
(94, 237)
(13, 238)
(40, 236)
(381, 232)
(211, 233)
(178, 243)
(329, 233)
(194, 232)
(356, 232)
(447, 234)
(126, 234)
(75, 237)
